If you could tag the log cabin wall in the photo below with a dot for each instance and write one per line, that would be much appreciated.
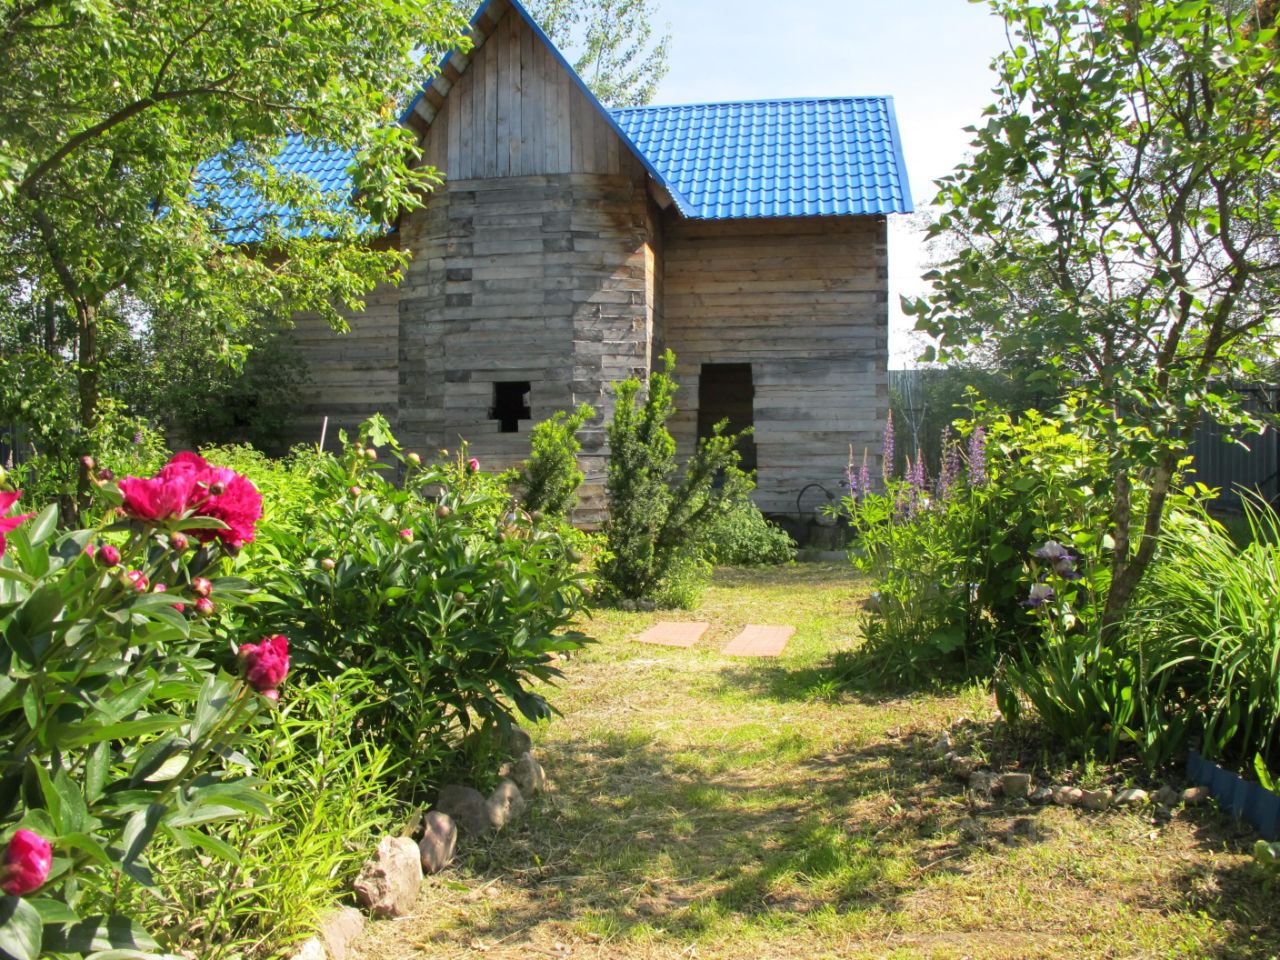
(533, 263)
(805, 302)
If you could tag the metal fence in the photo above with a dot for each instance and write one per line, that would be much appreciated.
(1223, 460)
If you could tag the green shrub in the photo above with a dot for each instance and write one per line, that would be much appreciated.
(333, 800)
(659, 524)
(740, 536)
(115, 726)
(551, 477)
(450, 603)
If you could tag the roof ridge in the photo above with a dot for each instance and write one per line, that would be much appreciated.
(748, 103)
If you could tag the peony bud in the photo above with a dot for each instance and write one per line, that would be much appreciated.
(204, 607)
(180, 607)
(159, 588)
(415, 459)
(106, 474)
(88, 463)
(201, 587)
(217, 488)
(327, 564)
(27, 862)
(354, 491)
(138, 580)
(265, 665)
(473, 465)
(459, 597)
(108, 556)
(180, 542)
(406, 535)
(443, 512)
(371, 455)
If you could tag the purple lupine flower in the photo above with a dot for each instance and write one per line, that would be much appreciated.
(851, 476)
(864, 475)
(916, 475)
(1041, 593)
(888, 447)
(978, 457)
(950, 472)
(137, 437)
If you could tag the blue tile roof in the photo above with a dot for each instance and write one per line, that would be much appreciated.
(776, 158)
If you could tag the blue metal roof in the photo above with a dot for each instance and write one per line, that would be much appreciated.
(242, 211)
(776, 158)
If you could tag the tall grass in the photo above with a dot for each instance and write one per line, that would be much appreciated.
(1223, 601)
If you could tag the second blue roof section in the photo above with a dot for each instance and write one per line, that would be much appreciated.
(776, 158)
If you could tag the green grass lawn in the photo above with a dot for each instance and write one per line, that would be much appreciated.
(705, 806)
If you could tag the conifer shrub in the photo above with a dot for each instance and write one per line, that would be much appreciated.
(660, 519)
(551, 477)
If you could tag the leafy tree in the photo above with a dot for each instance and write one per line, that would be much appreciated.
(611, 44)
(1127, 175)
(113, 112)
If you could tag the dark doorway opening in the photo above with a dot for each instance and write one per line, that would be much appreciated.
(726, 391)
(511, 405)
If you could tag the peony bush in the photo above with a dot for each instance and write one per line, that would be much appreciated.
(116, 724)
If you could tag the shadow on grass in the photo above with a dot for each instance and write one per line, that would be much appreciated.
(641, 842)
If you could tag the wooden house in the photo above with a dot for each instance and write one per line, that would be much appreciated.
(571, 244)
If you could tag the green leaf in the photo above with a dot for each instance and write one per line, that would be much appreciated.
(21, 931)
(99, 934)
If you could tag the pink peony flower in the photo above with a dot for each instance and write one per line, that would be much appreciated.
(166, 496)
(8, 524)
(27, 862)
(108, 556)
(266, 664)
(187, 484)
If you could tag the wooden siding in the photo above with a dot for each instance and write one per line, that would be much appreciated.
(805, 301)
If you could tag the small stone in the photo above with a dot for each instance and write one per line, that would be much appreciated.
(971, 829)
(1019, 803)
(311, 949)
(528, 775)
(982, 782)
(1167, 796)
(628, 606)
(466, 806)
(646, 606)
(1068, 796)
(1095, 799)
(339, 929)
(438, 843)
(1016, 785)
(1131, 797)
(504, 805)
(963, 767)
(1041, 796)
(1194, 796)
(942, 746)
(388, 884)
(518, 742)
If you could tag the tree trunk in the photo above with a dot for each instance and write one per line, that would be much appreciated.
(1129, 571)
(87, 381)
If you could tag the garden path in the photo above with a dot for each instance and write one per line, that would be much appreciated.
(708, 806)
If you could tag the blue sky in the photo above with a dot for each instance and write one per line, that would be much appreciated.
(932, 56)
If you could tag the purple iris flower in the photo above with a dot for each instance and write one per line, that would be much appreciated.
(1041, 593)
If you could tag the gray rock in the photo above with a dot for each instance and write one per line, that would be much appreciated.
(438, 843)
(1068, 796)
(1095, 799)
(1041, 795)
(528, 775)
(646, 606)
(971, 829)
(388, 884)
(1194, 796)
(1166, 796)
(339, 929)
(628, 606)
(311, 949)
(1016, 785)
(518, 742)
(963, 767)
(466, 806)
(504, 805)
(982, 782)
(942, 746)
(1131, 797)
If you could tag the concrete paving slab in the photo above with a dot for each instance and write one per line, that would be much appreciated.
(668, 634)
(760, 641)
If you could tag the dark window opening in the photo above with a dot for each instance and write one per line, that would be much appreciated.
(511, 405)
(726, 392)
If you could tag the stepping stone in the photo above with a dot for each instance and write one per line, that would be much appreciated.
(757, 641)
(674, 634)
